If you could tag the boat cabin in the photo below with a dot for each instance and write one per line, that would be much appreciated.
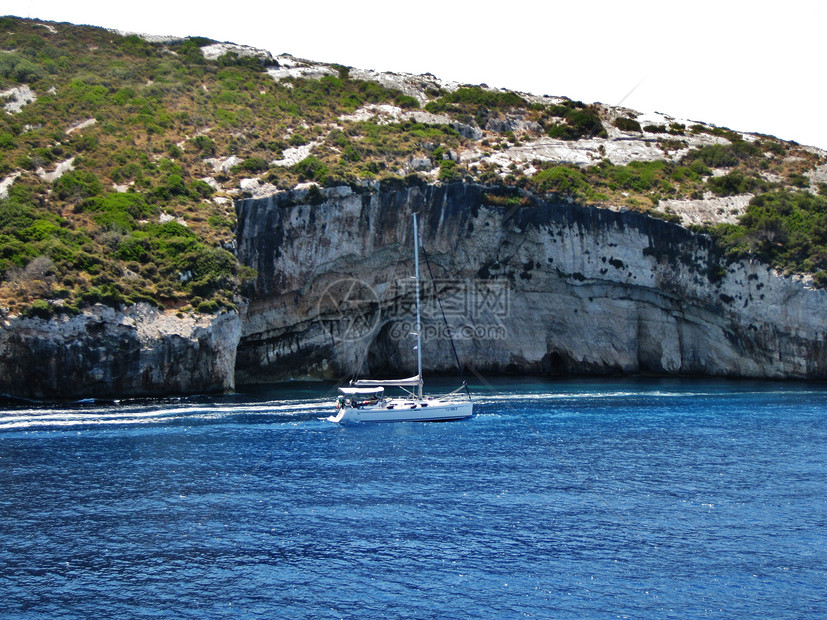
(355, 397)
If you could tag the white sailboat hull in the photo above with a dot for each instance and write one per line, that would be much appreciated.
(406, 410)
(364, 400)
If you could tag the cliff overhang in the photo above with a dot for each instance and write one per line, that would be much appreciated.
(586, 290)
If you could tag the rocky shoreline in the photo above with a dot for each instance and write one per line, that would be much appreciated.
(535, 285)
(106, 353)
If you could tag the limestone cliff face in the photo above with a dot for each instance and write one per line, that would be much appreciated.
(533, 286)
(106, 353)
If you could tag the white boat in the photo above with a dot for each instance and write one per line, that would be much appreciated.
(365, 401)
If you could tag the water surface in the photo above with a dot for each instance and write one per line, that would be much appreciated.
(632, 498)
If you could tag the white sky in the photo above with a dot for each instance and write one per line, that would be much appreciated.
(751, 66)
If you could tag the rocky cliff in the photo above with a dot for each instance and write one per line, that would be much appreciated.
(532, 286)
(528, 285)
(106, 353)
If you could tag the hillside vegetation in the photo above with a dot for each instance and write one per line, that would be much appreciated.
(120, 160)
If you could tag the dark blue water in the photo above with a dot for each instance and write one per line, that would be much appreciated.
(655, 498)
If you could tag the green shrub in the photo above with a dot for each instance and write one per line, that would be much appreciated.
(19, 69)
(16, 214)
(563, 132)
(477, 96)
(137, 297)
(406, 101)
(699, 168)
(721, 132)
(106, 294)
(798, 180)
(127, 172)
(723, 155)
(254, 164)
(131, 203)
(204, 144)
(567, 180)
(40, 309)
(123, 96)
(114, 220)
(311, 169)
(135, 247)
(627, 124)
(170, 230)
(640, 176)
(714, 156)
(40, 230)
(88, 262)
(580, 123)
(736, 182)
(201, 188)
(683, 173)
(770, 146)
(171, 186)
(559, 111)
(77, 185)
(208, 307)
(217, 221)
(205, 261)
(449, 171)
(298, 139)
(6, 140)
(787, 229)
(351, 154)
(637, 176)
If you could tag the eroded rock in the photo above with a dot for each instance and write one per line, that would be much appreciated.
(103, 352)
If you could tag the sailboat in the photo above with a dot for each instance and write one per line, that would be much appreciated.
(365, 401)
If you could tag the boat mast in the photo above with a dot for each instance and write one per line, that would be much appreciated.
(418, 321)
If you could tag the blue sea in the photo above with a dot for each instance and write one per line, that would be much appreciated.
(638, 498)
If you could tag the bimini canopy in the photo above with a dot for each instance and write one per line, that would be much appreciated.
(352, 391)
(409, 382)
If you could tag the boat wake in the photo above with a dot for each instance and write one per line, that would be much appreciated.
(482, 396)
(61, 418)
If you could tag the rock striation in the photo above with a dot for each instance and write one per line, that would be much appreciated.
(534, 285)
(105, 353)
